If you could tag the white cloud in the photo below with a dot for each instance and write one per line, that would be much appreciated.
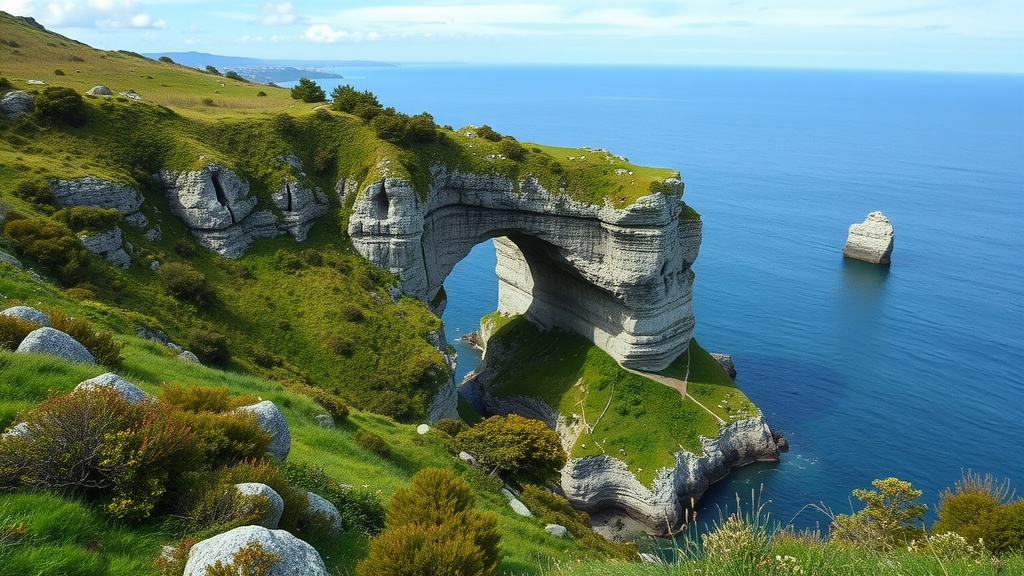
(282, 14)
(325, 34)
(85, 13)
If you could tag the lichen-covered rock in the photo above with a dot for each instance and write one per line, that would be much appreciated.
(272, 421)
(28, 314)
(107, 245)
(322, 506)
(124, 388)
(297, 558)
(276, 509)
(16, 104)
(98, 193)
(188, 357)
(556, 530)
(56, 343)
(324, 421)
(871, 240)
(517, 505)
(618, 276)
(100, 90)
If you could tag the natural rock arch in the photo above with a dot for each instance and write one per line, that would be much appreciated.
(619, 277)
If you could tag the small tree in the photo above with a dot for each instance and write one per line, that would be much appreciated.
(891, 519)
(523, 447)
(347, 99)
(308, 91)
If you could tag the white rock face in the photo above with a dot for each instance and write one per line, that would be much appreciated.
(16, 103)
(124, 388)
(107, 245)
(272, 421)
(297, 558)
(273, 515)
(871, 240)
(98, 193)
(54, 342)
(300, 207)
(322, 506)
(620, 277)
(28, 314)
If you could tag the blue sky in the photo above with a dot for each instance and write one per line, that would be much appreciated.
(968, 35)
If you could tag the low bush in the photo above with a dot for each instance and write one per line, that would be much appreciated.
(330, 402)
(488, 133)
(525, 448)
(100, 343)
(296, 517)
(203, 398)
(13, 330)
(183, 282)
(88, 219)
(235, 76)
(361, 508)
(374, 443)
(347, 99)
(166, 59)
(511, 149)
(35, 191)
(51, 244)
(209, 345)
(61, 104)
(979, 508)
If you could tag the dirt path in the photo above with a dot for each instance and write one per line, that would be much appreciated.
(676, 384)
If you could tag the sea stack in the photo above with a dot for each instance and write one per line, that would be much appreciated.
(871, 240)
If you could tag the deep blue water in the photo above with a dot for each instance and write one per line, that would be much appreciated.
(913, 371)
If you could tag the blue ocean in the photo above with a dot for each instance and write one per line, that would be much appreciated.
(914, 371)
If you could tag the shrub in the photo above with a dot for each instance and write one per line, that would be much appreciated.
(61, 104)
(100, 343)
(511, 149)
(203, 398)
(183, 281)
(234, 76)
(261, 94)
(209, 345)
(36, 192)
(890, 519)
(980, 508)
(341, 346)
(374, 443)
(88, 219)
(13, 330)
(166, 60)
(79, 293)
(432, 528)
(360, 508)
(421, 128)
(308, 91)
(347, 99)
(330, 402)
(523, 447)
(209, 102)
(211, 70)
(488, 133)
(184, 248)
(296, 504)
(389, 403)
(736, 540)
(58, 72)
(450, 426)
(51, 244)
(352, 313)
(5, 84)
(390, 125)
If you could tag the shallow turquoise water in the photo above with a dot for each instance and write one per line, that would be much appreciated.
(913, 371)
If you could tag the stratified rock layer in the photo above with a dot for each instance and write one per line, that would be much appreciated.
(871, 240)
(619, 277)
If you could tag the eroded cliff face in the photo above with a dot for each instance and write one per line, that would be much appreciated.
(619, 277)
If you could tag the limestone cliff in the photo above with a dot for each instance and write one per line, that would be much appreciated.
(619, 277)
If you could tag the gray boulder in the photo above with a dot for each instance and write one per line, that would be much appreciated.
(99, 193)
(28, 314)
(273, 515)
(16, 104)
(297, 558)
(324, 421)
(212, 198)
(322, 506)
(556, 530)
(272, 421)
(467, 458)
(56, 343)
(871, 240)
(188, 357)
(19, 430)
(517, 506)
(124, 388)
(5, 257)
(107, 245)
(100, 90)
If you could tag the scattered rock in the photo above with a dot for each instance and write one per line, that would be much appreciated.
(297, 558)
(16, 104)
(107, 245)
(28, 314)
(131, 94)
(780, 441)
(467, 457)
(726, 361)
(422, 429)
(151, 334)
(272, 421)
(556, 530)
(324, 420)
(154, 265)
(36, 82)
(322, 506)
(124, 388)
(5, 257)
(273, 515)
(188, 357)
(100, 90)
(871, 240)
(517, 506)
(153, 234)
(54, 342)
(175, 347)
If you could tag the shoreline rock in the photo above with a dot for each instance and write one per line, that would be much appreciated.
(870, 241)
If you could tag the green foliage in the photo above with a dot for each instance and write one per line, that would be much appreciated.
(401, 128)
(88, 219)
(212, 70)
(165, 60)
(209, 345)
(35, 191)
(525, 448)
(374, 443)
(203, 398)
(512, 149)
(308, 91)
(51, 244)
(488, 133)
(249, 560)
(979, 508)
(5, 85)
(348, 99)
(234, 76)
(13, 330)
(183, 282)
(431, 529)
(296, 515)
(100, 343)
(61, 104)
(450, 426)
(892, 517)
(360, 508)
(58, 72)
(334, 406)
(554, 509)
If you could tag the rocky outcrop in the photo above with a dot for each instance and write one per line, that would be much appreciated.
(318, 505)
(28, 314)
(300, 206)
(124, 388)
(56, 343)
(871, 240)
(618, 276)
(8, 259)
(272, 421)
(100, 90)
(595, 483)
(99, 193)
(275, 504)
(725, 361)
(296, 558)
(16, 104)
(107, 245)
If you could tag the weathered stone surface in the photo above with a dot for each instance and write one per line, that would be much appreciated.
(444, 404)
(107, 245)
(28, 314)
(124, 388)
(51, 341)
(324, 421)
(556, 530)
(273, 422)
(467, 458)
(725, 360)
(19, 430)
(620, 277)
(422, 429)
(16, 103)
(188, 357)
(273, 515)
(297, 558)
(300, 207)
(99, 193)
(212, 198)
(322, 506)
(100, 90)
(5, 257)
(871, 240)
(517, 505)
